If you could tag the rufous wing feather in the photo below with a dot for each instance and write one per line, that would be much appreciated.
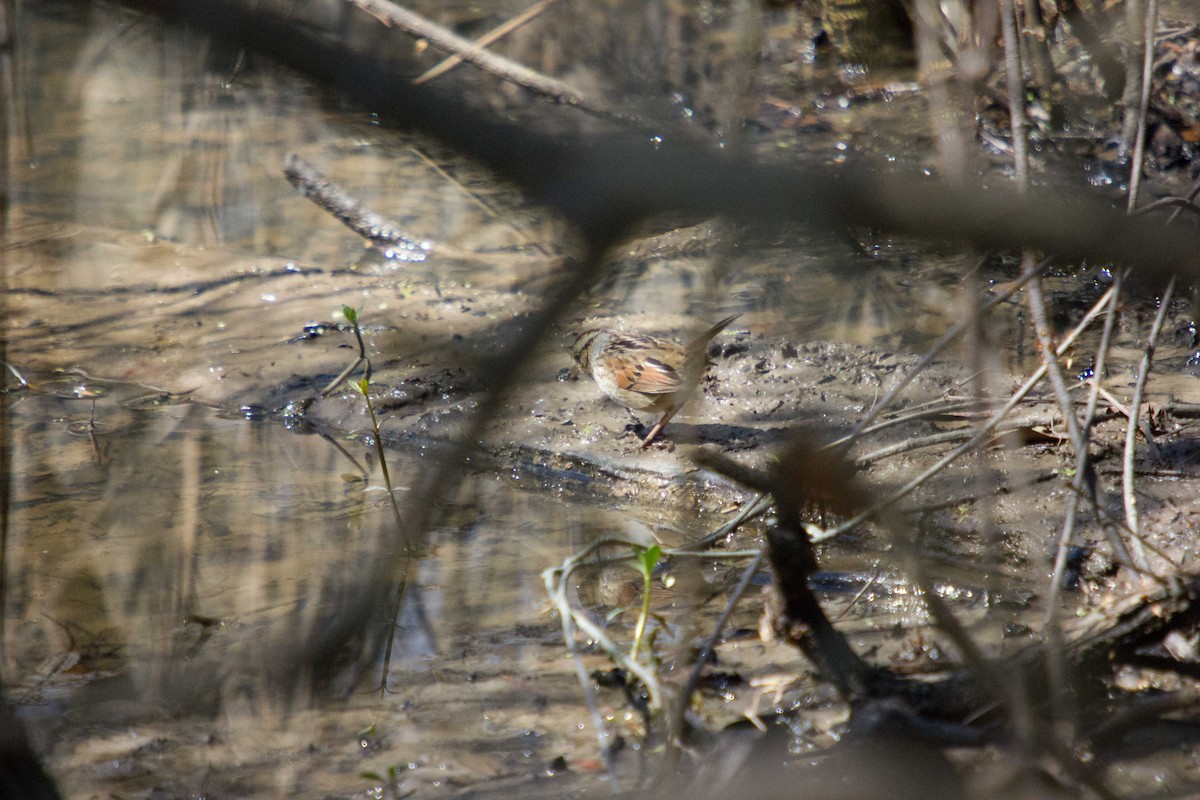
(649, 376)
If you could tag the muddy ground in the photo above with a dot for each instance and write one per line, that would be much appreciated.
(188, 508)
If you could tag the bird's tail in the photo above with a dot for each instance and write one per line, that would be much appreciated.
(714, 330)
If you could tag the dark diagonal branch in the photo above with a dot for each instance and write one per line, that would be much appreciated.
(604, 184)
(802, 475)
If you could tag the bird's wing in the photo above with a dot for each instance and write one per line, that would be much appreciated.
(649, 376)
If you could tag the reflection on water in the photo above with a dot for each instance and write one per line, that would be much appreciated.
(199, 601)
(164, 558)
(139, 528)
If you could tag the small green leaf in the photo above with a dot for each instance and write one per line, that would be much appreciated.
(647, 559)
(350, 314)
(362, 386)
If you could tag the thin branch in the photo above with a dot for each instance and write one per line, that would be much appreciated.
(500, 31)
(1135, 405)
(944, 437)
(1134, 20)
(1190, 197)
(1139, 146)
(684, 700)
(937, 410)
(1041, 327)
(1110, 519)
(556, 583)
(1083, 466)
(981, 435)
(1056, 666)
(1143, 426)
(947, 338)
(505, 69)
(1036, 300)
(755, 508)
(1016, 92)
(526, 242)
(1178, 203)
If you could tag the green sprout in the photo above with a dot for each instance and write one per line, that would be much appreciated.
(645, 560)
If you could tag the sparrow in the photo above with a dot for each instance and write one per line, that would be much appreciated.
(645, 373)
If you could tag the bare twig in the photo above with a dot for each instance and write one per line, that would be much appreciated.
(1083, 467)
(1109, 519)
(980, 436)
(1134, 20)
(1023, 722)
(1045, 337)
(685, 694)
(935, 410)
(557, 581)
(1190, 198)
(500, 31)
(1036, 300)
(1180, 205)
(1036, 38)
(1016, 92)
(945, 437)
(1143, 425)
(503, 68)
(1139, 146)
(755, 508)
(947, 338)
(1056, 666)
(473, 197)
(1135, 405)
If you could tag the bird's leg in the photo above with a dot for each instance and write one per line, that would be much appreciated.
(666, 417)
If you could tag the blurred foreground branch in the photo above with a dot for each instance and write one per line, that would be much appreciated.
(604, 184)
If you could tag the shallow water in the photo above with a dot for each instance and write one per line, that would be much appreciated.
(202, 598)
(171, 557)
